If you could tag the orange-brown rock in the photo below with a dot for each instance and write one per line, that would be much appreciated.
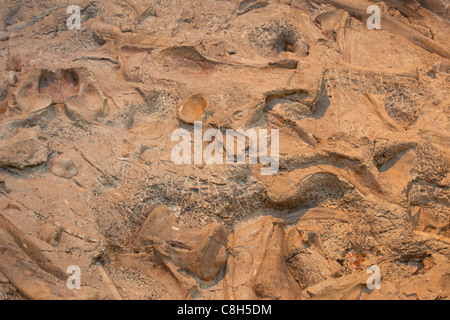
(88, 179)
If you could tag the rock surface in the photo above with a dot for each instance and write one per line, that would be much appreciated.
(27, 148)
(87, 179)
(63, 166)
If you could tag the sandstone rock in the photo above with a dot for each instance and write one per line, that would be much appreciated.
(305, 255)
(26, 149)
(290, 110)
(302, 186)
(249, 5)
(178, 258)
(4, 36)
(22, 61)
(438, 6)
(51, 234)
(76, 88)
(27, 95)
(344, 288)
(143, 9)
(63, 166)
(274, 280)
(36, 285)
(288, 64)
(256, 269)
(385, 150)
(202, 252)
(104, 30)
(131, 63)
(363, 122)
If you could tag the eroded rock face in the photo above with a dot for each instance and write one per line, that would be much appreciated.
(202, 252)
(258, 269)
(87, 177)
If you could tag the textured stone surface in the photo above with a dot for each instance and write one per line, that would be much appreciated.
(27, 148)
(86, 127)
(63, 166)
